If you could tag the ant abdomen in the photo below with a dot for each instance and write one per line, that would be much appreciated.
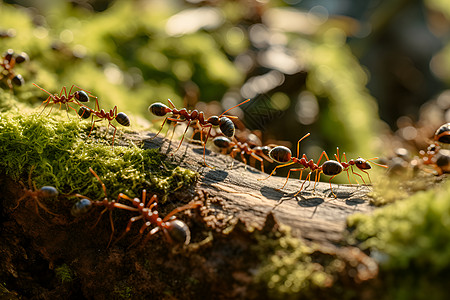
(226, 126)
(280, 154)
(178, 231)
(81, 207)
(222, 142)
(84, 112)
(123, 119)
(81, 96)
(158, 109)
(332, 167)
(18, 80)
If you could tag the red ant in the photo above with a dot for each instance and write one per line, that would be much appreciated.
(35, 194)
(225, 124)
(66, 98)
(259, 153)
(331, 168)
(8, 61)
(121, 118)
(173, 229)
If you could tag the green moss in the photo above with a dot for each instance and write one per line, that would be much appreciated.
(414, 231)
(61, 153)
(123, 291)
(64, 273)
(290, 270)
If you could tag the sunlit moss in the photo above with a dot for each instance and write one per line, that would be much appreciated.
(62, 154)
(411, 233)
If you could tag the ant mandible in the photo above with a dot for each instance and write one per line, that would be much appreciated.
(225, 124)
(259, 153)
(121, 118)
(331, 168)
(33, 193)
(66, 98)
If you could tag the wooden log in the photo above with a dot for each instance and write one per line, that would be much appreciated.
(314, 216)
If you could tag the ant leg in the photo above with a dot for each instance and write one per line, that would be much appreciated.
(233, 154)
(321, 155)
(234, 107)
(181, 208)
(331, 188)
(114, 134)
(112, 228)
(260, 159)
(132, 220)
(184, 133)
(244, 159)
(98, 178)
(298, 143)
(279, 166)
(204, 144)
(162, 125)
(308, 177)
(287, 177)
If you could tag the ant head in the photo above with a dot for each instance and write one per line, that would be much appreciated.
(280, 154)
(443, 134)
(362, 164)
(22, 57)
(48, 191)
(266, 150)
(123, 119)
(18, 80)
(84, 112)
(159, 109)
(221, 142)
(214, 120)
(226, 126)
(81, 207)
(332, 167)
(8, 55)
(178, 231)
(81, 96)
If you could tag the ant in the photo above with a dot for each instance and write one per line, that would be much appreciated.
(84, 205)
(331, 168)
(224, 122)
(259, 153)
(8, 62)
(121, 118)
(174, 230)
(442, 134)
(66, 98)
(35, 194)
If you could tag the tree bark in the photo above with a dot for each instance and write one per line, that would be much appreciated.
(313, 215)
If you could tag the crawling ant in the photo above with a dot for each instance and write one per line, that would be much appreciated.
(8, 62)
(36, 194)
(331, 168)
(224, 122)
(121, 118)
(174, 230)
(84, 205)
(259, 153)
(66, 98)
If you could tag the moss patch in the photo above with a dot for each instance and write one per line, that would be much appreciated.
(61, 154)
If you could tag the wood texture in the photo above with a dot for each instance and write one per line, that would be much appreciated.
(315, 216)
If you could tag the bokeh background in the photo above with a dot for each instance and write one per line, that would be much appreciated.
(367, 76)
